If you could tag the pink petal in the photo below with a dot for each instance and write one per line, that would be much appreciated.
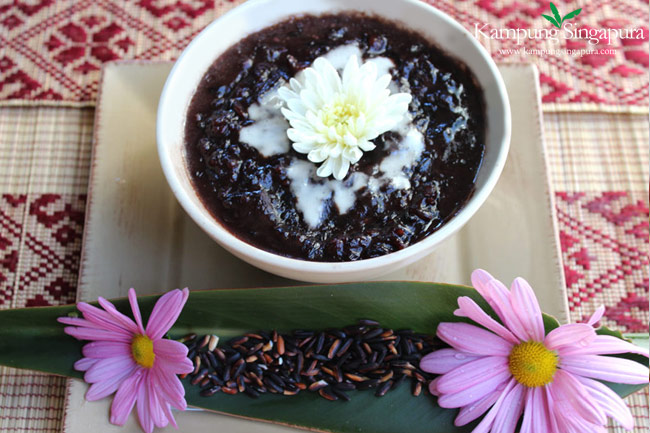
(168, 414)
(95, 334)
(106, 318)
(444, 360)
(485, 426)
(472, 374)
(506, 419)
(144, 416)
(470, 395)
(125, 398)
(469, 308)
(550, 411)
(174, 366)
(108, 367)
(498, 296)
(84, 364)
(472, 411)
(573, 334)
(603, 345)
(536, 417)
(165, 313)
(609, 402)
(170, 349)
(608, 368)
(133, 300)
(433, 386)
(598, 314)
(570, 396)
(106, 349)
(490, 288)
(87, 324)
(472, 339)
(526, 307)
(155, 403)
(570, 422)
(108, 385)
(170, 387)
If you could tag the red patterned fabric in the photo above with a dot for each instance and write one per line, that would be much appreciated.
(54, 50)
(40, 243)
(604, 240)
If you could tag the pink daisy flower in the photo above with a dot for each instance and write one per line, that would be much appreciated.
(136, 362)
(513, 369)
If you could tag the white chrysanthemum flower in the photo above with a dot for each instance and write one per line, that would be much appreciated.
(333, 118)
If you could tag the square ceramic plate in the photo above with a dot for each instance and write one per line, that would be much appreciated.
(137, 235)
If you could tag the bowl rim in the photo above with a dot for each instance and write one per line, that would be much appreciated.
(269, 260)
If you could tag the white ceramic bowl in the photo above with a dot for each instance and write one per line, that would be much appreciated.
(255, 15)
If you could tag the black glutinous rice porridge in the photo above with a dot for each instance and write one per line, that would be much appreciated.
(267, 194)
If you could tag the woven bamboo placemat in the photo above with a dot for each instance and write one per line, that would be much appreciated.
(51, 52)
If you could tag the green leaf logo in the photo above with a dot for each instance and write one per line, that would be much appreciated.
(557, 19)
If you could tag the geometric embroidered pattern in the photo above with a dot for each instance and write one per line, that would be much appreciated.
(55, 50)
(604, 240)
(40, 246)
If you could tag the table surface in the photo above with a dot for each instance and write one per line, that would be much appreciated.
(51, 54)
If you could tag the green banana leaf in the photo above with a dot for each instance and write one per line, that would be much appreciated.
(32, 339)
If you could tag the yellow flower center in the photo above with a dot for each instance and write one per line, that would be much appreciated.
(532, 364)
(341, 115)
(142, 351)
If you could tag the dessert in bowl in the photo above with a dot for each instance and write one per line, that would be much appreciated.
(333, 141)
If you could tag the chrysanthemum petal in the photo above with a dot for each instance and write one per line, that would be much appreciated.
(472, 339)
(602, 345)
(572, 334)
(572, 423)
(609, 368)
(444, 360)
(550, 410)
(135, 308)
(169, 415)
(609, 402)
(527, 309)
(470, 309)
(474, 410)
(569, 396)
(106, 349)
(498, 296)
(175, 365)
(171, 387)
(84, 364)
(487, 422)
(108, 385)
(109, 318)
(474, 393)
(342, 166)
(598, 314)
(81, 333)
(109, 367)
(472, 374)
(506, 419)
(155, 405)
(165, 313)
(535, 412)
(142, 407)
(170, 349)
(125, 398)
(326, 168)
(366, 146)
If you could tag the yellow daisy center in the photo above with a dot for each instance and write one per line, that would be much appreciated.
(532, 364)
(142, 351)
